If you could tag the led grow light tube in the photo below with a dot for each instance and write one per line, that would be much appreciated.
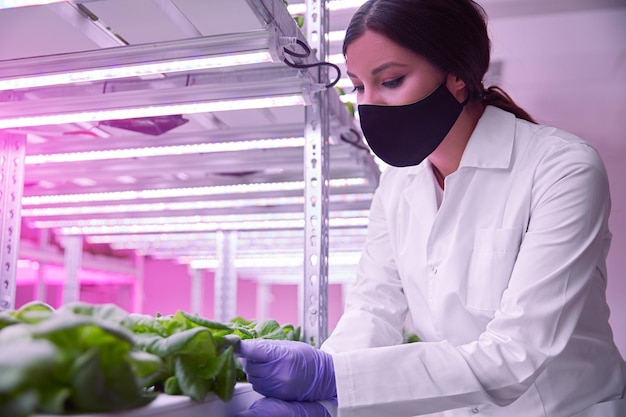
(160, 207)
(208, 242)
(53, 224)
(338, 258)
(183, 205)
(151, 111)
(208, 227)
(189, 149)
(198, 53)
(171, 220)
(141, 70)
(185, 237)
(9, 4)
(181, 192)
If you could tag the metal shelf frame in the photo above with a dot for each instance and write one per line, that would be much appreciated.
(324, 120)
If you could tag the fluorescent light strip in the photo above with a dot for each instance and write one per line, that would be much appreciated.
(160, 207)
(337, 258)
(140, 70)
(142, 221)
(186, 237)
(185, 205)
(209, 244)
(54, 224)
(190, 149)
(8, 4)
(150, 111)
(208, 227)
(181, 192)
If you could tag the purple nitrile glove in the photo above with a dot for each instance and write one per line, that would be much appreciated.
(288, 370)
(272, 407)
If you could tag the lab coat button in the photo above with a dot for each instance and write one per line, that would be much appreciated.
(434, 270)
(475, 410)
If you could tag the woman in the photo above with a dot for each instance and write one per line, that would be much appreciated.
(488, 229)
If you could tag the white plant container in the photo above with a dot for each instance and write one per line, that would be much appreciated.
(182, 406)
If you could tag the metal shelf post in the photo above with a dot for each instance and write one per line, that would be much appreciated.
(316, 166)
(226, 277)
(73, 246)
(11, 189)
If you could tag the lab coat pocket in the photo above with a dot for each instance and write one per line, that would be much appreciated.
(490, 267)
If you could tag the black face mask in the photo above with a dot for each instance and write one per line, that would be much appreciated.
(405, 135)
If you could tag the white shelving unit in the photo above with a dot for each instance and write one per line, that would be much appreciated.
(260, 151)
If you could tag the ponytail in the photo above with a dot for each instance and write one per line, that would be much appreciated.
(496, 96)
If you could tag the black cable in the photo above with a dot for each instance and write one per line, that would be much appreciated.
(306, 54)
(318, 64)
(357, 143)
(307, 50)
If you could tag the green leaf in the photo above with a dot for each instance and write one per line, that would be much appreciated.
(108, 312)
(245, 334)
(270, 329)
(190, 379)
(76, 332)
(190, 341)
(228, 340)
(146, 367)
(199, 321)
(211, 368)
(53, 397)
(171, 386)
(141, 323)
(22, 404)
(24, 362)
(34, 312)
(7, 319)
(227, 378)
(173, 324)
(100, 384)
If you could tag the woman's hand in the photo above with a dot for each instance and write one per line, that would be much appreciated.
(288, 370)
(271, 407)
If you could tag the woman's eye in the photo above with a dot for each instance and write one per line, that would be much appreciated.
(358, 89)
(393, 83)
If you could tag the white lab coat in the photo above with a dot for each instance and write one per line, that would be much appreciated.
(504, 283)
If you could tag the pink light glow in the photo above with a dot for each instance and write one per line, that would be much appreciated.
(28, 272)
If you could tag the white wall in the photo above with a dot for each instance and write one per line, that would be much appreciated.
(569, 70)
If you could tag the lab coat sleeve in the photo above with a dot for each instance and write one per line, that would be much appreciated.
(376, 307)
(557, 261)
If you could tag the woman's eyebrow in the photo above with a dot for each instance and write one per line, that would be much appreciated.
(380, 68)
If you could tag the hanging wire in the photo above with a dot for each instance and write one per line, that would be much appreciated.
(305, 54)
(357, 142)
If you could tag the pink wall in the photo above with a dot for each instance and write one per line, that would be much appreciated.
(167, 288)
(95, 286)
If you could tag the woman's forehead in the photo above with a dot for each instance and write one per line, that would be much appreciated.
(372, 49)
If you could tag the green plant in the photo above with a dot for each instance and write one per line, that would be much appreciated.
(87, 357)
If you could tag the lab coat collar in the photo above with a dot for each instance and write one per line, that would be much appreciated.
(489, 146)
(491, 143)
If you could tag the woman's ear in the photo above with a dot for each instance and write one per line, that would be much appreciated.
(457, 87)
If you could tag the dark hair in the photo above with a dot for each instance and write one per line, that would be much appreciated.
(451, 34)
